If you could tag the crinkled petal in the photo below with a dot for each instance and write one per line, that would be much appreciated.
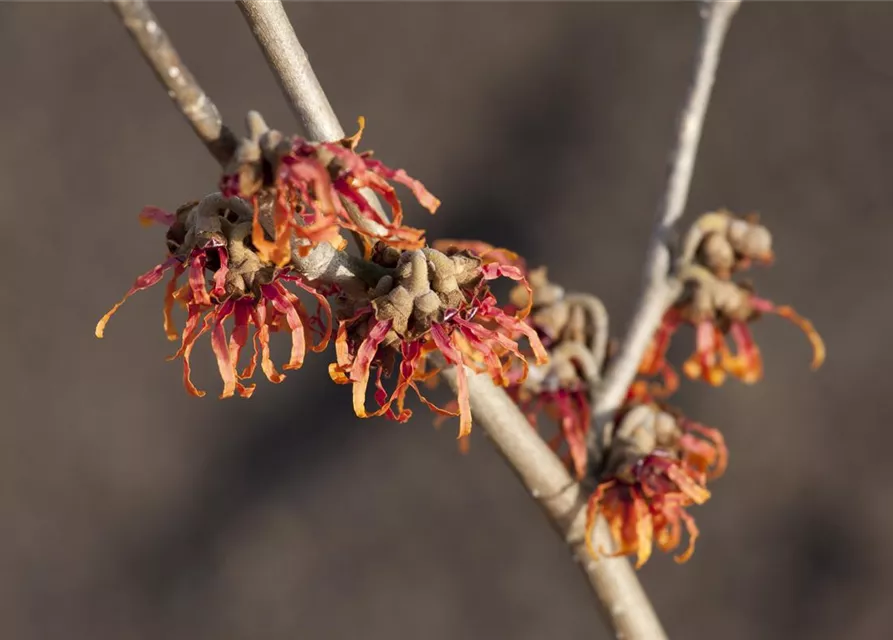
(454, 357)
(362, 364)
(145, 281)
(221, 349)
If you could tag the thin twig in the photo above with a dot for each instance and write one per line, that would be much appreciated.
(181, 85)
(273, 31)
(625, 605)
(660, 286)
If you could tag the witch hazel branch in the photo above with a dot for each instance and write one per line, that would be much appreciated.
(582, 418)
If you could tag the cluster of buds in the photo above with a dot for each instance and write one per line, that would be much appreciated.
(410, 308)
(720, 245)
(573, 329)
(430, 302)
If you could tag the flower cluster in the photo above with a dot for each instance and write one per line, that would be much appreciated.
(717, 306)
(318, 189)
(431, 302)
(406, 311)
(210, 242)
(570, 326)
(650, 463)
(410, 308)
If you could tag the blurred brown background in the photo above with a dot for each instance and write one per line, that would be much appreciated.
(129, 510)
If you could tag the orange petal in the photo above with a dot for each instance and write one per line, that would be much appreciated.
(687, 485)
(693, 534)
(188, 344)
(644, 531)
(818, 345)
(262, 338)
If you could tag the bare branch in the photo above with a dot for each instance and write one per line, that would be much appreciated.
(181, 85)
(624, 604)
(660, 286)
(291, 66)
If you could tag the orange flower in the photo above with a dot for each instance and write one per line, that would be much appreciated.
(656, 466)
(570, 410)
(434, 303)
(266, 305)
(317, 190)
(649, 508)
(712, 359)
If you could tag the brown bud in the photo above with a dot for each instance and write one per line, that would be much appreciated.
(666, 430)
(427, 308)
(750, 240)
(717, 254)
(395, 306)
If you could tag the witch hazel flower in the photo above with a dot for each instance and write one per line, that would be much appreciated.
(431, 302)
(719, 308)
(318, 190)
(657, 466)
(226, 278)
(560, 390)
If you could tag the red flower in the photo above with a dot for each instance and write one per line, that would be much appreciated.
(570, 411)
(717, 309)
(433, 303)
(318, 189)
(657, 466)
(653, 506)
(242, 287)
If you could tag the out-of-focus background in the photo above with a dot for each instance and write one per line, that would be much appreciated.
(129, 510)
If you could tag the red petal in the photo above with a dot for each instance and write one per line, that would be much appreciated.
(278, 296)
(220, 274)
(453, 356)
(143, 282)
(197, 279)
(360, 370)
(323, 306)
(221, 351)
